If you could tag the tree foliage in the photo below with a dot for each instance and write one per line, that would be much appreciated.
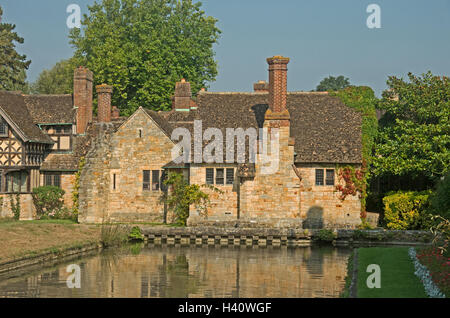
(414, 137)
(332, 83)
(13, 65)
(142, 47)
(57, 80)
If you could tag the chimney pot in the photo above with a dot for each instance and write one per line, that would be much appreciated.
(261, 86)
(115, 112)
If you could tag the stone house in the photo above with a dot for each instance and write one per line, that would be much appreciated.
(42, 138)
(308, 136)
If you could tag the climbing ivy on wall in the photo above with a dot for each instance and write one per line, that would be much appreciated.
(76, 187)
(15, 206)
(363, 100)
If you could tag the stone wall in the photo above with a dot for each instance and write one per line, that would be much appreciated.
(273, 194)
(27, 209)
(223, 205)
(320, 206)
(279, 199)
(139, 144)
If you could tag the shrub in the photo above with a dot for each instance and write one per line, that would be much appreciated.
(407, 210)
(48, 201)
(325, 235)
(136, 234)
(440, 201)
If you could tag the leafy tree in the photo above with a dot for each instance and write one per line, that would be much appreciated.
(142, 47)
(57, 80)
(414, 139)
(13, 65)
(332, 83)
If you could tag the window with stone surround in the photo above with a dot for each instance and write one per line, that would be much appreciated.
(319, 177)
(146, 180)
(209, 176)
(155, 180)
(329, 181)
(230, 175)
(220, 176)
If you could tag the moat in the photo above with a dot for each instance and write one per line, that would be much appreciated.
(154, 271)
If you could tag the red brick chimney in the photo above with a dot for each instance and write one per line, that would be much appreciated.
(82, 97)
(278, 83)
(183, 96)
(104, 103)
(261, 87)
(115, 112)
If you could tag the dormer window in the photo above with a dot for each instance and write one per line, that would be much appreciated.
(3, 128)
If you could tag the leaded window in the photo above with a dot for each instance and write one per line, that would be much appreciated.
(319, 177)
(220, 176)
(330, 177)
(146, 180)
(155, 180)
(52, 179)
(16, 182)
(230, 176)
(209, 176)
(3, 128)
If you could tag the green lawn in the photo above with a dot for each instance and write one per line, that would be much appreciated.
(397, 273)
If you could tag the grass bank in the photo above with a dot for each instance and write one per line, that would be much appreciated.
(20, 239)
(397, 274)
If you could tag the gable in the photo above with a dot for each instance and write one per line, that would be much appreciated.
(149, 122)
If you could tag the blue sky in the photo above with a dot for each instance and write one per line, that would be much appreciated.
(322, 37)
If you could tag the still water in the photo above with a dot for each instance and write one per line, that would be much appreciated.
(175, 271)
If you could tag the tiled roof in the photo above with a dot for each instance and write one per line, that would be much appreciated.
(325, 129)
(60, 162)
(15, 110)
(161, 121)
(51, 109)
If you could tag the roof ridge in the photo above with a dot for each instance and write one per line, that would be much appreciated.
(263, 93)
(45, 95)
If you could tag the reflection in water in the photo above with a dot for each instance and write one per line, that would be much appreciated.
(174, 271)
